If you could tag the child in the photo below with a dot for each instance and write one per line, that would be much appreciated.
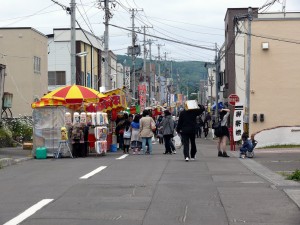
(246, 147)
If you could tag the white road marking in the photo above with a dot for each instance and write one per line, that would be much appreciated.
(123, 156)
(27, 213)
(93, 172)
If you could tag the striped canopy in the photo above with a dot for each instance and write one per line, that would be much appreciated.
(74, 94)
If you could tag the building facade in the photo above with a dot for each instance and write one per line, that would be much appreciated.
(89, 61)
(24, 53)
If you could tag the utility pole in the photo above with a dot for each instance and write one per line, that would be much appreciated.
(247, 111)
(2, 79)
(104, 80)
(73, 41)
(217, 63)
(145, 55)
(159, 58)
(133, 50)
(150, 71)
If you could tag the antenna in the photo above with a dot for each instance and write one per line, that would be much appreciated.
(283, 7)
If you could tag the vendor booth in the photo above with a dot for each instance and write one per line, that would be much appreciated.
(76, 110)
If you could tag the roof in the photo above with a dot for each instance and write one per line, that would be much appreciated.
(23, 28)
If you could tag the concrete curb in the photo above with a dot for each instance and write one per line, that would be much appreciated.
(5, 162)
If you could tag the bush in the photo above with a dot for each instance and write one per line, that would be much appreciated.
(21, 128)
(294, 176)
(5, 137)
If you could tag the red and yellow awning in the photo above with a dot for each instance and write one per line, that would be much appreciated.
(74, 94)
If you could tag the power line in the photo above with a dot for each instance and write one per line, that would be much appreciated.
(166, 39)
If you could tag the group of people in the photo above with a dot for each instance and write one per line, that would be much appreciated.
(136, 132)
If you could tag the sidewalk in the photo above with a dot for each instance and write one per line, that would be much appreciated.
(11, 156)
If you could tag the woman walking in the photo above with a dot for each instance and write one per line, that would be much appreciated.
(147, 125)
(224, 134)
(136, 143)
(167, 126)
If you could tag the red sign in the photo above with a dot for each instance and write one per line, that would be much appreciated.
(142, 93)
(232, 99)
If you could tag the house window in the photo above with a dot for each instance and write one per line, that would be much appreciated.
(37, 64)
(57, 78)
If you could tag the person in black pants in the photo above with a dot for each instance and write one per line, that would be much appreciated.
(167, 126)
(187, 128)
(86, 141)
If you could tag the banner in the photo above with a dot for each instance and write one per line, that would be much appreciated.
(142, 95)
(238, 122)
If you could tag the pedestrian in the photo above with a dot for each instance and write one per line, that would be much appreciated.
(77, 140)
(120, 130)
(167, 126)
(147, 126)
(247, 145)
(205, 127)
(186, 127)
(199, 122)
(224, 134)
(127, 129)
(136, 143)
(86, 140)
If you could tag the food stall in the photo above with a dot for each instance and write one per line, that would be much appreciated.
(76, 105)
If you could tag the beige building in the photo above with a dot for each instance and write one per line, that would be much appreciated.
(24, 53)
(274, 79)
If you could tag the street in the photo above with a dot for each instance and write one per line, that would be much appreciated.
(147, 189)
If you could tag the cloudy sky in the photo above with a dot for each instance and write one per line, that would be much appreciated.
(196, 22)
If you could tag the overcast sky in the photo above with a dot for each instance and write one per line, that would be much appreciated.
(198, 22)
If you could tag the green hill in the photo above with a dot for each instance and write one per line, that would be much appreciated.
(190, 72)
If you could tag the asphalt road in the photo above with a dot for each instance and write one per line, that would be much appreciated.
(147, 190)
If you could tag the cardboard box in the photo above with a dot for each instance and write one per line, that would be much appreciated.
(191, 104)
(27, 146)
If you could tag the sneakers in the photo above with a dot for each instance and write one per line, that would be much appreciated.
(187, 159)
(225, 155)
(192, 159)
(174, 152)
(220, 154)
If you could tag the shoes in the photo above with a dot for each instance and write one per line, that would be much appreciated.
(225, 155)
(174, 152)
(220, 154)
(192, 159)
(187, 159)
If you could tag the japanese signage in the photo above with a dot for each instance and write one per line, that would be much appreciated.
(142, 94)
(238, 123)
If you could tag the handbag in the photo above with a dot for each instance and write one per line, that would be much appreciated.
(127, 133)
(218, 129)
(153, 127)
(177, 141)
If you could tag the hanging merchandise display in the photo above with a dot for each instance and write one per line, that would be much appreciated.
(101, 132)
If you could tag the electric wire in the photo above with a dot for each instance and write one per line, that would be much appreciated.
(28, 16)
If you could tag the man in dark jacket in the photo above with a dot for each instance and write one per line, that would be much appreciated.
(187, 128)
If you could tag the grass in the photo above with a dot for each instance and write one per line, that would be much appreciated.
(281, 146)
(294, 176)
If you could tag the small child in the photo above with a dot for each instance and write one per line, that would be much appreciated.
(246, 147)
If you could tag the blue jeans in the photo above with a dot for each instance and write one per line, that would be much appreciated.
(149, 141)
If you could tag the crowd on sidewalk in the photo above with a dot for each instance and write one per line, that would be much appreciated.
(136, 133)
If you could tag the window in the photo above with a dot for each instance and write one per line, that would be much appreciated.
(57, 78)
(37, 64)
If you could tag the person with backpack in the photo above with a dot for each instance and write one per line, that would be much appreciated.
(222, 132)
